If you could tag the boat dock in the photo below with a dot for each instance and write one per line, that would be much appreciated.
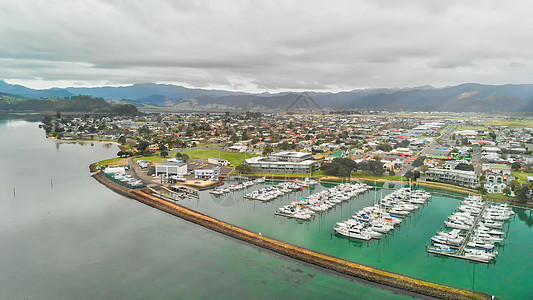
(487, 253)
(457, 256)
(469, 234)
(255, 198)
(288, 216)
(186, 190)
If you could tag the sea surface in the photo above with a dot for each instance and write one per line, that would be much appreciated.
(65, 236)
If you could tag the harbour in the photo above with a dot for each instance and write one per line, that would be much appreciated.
(96, 202)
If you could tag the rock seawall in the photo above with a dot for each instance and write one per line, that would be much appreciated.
(339, 265)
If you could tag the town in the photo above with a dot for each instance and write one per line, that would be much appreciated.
(489, 155)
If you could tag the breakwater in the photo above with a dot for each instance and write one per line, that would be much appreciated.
(306, 255)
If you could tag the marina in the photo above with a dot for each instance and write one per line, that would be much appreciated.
(307, 207)
(236, 187)
(107, 217)
(474, 231)
(372, 222)
(272, 192)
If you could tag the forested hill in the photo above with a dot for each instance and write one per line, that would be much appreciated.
(86, 104)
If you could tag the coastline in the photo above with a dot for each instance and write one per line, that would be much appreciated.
(367, 273)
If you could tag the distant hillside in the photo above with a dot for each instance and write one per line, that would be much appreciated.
(23, 91)
(84, 104)
(469, 97)
(145, 90)
(465, 97)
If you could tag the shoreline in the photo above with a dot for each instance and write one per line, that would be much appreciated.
(345, 267)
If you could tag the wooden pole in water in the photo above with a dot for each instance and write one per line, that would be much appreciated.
(14, 193)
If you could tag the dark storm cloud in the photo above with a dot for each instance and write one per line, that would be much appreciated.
(274, 45)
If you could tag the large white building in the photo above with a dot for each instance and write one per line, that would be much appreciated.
(283, 162)
(207, 173)
(171, 168)
(457, 177)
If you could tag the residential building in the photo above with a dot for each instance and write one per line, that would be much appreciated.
(283, 162)
(218, 161)
(207, 173)
(457, 177)
(493, 188)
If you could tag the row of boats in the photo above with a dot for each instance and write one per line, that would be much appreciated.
(126, 179)
(305, 208)
(476, 230)
(272, 192)
(237, 186)
(373, 221)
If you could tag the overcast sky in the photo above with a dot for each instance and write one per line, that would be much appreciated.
(266, 45)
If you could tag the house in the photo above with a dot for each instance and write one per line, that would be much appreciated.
(494, 188)
(218, 161)
(494, 177)
(171, 168)
(207, 173)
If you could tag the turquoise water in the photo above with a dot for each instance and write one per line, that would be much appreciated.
(403, 251)
(65, 236)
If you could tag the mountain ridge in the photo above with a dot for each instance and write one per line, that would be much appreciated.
(468, 97)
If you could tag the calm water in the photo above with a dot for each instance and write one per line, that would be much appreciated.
(65, 236)
(402, 252)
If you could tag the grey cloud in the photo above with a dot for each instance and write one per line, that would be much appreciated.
(272, 45)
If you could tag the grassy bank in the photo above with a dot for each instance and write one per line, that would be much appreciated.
(235, 158)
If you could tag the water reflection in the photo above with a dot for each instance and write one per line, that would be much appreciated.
(525, 216)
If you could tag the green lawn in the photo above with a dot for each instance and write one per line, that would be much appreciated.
(236, 158)
(522, 177)
(154, 159)
(514, 123)
(109, 161)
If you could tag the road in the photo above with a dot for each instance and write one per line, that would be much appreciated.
(476, 160)
(444, 138)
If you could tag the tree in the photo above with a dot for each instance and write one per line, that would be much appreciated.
(376, 166)
(244, 168)
(419, 161)
(516, 165)
(47, 120)
(245, 135)
(122, 140)
(507, 191)
(182, 156)
(522, 194)
(151, 170)
(164, 153)
(268, 149)
(403, 144)
(464, 167)
(144, 130)
(385, 147)
(142, 145)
